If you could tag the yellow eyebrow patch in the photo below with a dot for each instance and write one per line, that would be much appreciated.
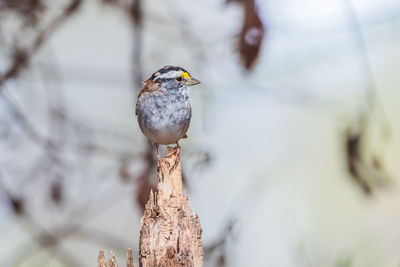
(185, 75)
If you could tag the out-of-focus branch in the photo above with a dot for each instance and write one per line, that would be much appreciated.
(49, 240)
(21, 59)
(219, 246)
(136, 16)
(22, 56)
(16, 203)
(365, 64)
(143, 182)
(133, 9)
(365, 169)
(48, 146)
(354, 159)
(373, 103)
(29, 9)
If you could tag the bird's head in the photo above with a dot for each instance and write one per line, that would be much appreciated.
(173, 74)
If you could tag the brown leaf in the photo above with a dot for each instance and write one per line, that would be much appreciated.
(135, 12)
(251, 35)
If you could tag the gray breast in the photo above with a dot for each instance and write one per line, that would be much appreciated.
(164, 118)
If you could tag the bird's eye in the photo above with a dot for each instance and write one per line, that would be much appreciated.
(179, 79)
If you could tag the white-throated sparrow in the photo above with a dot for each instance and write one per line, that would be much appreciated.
(163, 109)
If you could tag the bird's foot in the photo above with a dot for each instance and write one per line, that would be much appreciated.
(159, 159)
(177, 153)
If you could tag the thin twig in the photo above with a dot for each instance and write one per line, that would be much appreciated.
(22, 57)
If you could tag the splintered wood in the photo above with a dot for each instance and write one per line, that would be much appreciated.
(112, 262)
(170, 234)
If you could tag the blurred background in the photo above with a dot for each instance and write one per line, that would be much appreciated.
(293, 151)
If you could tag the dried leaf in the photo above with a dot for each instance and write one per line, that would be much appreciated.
(251, 35)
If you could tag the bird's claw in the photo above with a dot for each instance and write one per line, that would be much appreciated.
(159, 159)
(177, 153)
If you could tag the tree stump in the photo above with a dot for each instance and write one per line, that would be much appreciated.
(170, 234)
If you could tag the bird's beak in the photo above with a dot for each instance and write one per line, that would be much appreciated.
(192, 81)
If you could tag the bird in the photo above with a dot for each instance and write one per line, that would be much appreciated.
(163, 109)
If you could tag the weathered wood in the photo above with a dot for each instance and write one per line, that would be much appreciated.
(170, 233)
(112, 262)
(129, 258)
(103, 262)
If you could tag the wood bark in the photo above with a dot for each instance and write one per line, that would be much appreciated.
(111, 261)
(170, 234)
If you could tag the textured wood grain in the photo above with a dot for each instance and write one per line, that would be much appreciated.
(103, 262)
(170, 233)
(112, 262)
